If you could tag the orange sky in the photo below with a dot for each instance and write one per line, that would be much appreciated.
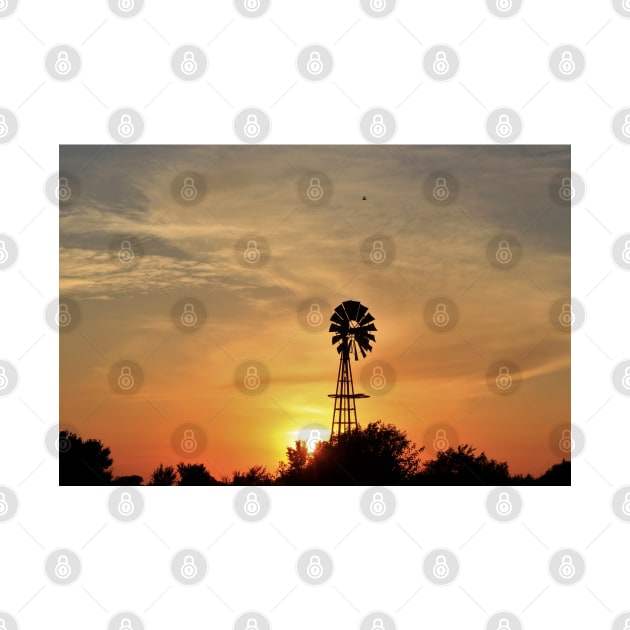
(315, 251)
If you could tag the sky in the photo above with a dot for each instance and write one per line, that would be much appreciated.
(194, 252)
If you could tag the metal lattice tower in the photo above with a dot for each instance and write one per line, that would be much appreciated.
(351, 326)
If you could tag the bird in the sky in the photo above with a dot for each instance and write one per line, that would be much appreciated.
(364, 199)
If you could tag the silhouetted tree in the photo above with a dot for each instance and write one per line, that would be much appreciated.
(557, 475)
(163, 476)
(255, 476)
(462, 467)
(293, 472)
(83, 463)
(128, 480)
(194, 475)
(378, 454)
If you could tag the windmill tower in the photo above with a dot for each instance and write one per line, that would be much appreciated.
(351, 326)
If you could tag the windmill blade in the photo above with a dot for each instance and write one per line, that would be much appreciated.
(368, 327)
(336, 338)
(362, 352)
(352, 309)
(356, 356)
(341, 315)
(367, 319)
(335, 328)
(337, 318)
(362, 310)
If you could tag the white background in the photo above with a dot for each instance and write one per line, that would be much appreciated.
(252, 63)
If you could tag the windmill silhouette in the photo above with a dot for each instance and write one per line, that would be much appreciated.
(352, 327)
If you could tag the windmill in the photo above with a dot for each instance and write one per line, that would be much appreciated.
(352, 327)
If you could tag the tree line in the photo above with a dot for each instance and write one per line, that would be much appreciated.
(379, 454)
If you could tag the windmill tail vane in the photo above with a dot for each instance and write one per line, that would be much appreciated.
(352, 327)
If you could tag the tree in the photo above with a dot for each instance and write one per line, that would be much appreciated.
(293, 472)
(194, 475)
(378, 454)
(255, 476)
(557, 475)
(83, 463)
(163, 476)
(462, 467)
(128, 480)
